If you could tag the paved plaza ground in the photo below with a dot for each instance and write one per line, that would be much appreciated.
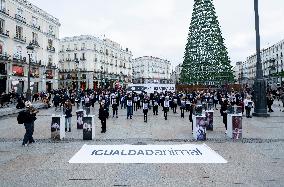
(257, 160)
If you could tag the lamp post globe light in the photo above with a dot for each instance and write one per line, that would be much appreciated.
(30, 50)
(260, 109)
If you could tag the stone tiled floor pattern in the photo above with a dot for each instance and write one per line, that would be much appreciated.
(257, 161)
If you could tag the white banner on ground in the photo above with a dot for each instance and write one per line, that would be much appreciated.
(184, 153)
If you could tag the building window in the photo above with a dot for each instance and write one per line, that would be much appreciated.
(83, 46)
(34, 21)
(19, 32)
(35, 37)
(49, 43)
(20, 11)
(18, 52)
(1, 48)
(50, 29)
(2, 24)
(3, 4)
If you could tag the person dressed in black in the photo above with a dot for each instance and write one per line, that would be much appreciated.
(182, 107)
(145, 106)
(223, 112)
(102, 116)
(174, 103)
(30, 117)
(166, 107)
(114, 104)
(155, 105)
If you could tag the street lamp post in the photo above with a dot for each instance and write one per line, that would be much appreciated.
(260, 109)
(101, 77)
(30, 50)
(77, 69)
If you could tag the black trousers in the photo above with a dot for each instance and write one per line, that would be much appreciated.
(166, 113)
(145, 115)
(29, 133)
(155, 110)
(103, 122)
(182, 112)
(114, 112)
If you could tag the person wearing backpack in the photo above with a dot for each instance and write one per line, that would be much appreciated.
(28, 120)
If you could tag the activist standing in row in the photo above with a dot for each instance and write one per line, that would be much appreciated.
(114, 104)
(103, 116)
(129, 105)
(68, 115)
(166, 107)
(248, 106)
(145, 106)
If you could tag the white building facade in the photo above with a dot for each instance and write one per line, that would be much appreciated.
(175, 75)
(92, 62)
(272, 63)
(148, 69)
(21, 24)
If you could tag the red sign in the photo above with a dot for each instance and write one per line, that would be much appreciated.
(17, 70)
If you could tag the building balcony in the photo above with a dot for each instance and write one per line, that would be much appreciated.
(19, 58)
(51, 49)
(20, 18)
(37, 27)
(4, 11)
(34, 43)
(20, 39)
(4, 56)
(4, 34)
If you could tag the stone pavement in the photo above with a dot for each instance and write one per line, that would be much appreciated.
(257, 160)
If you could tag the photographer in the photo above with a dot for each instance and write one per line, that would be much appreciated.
(29, 118)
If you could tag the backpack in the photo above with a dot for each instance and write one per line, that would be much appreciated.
(21, 117)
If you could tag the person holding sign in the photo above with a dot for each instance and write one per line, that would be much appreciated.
(129, 105)
(248, 106)
(155, 105)
(166, 107)
(182, 107)
(114, 103)
(174, 103)
(145, 104)
(102, 116)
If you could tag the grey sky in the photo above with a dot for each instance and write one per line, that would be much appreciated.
(160, 27)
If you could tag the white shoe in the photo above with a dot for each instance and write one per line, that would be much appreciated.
(225, 132)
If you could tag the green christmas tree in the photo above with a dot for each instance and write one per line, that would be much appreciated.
(206, 57)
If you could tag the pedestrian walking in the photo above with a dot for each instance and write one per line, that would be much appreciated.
(223, 112)
(28, 120)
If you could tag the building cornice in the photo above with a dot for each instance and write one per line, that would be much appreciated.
(39, 11)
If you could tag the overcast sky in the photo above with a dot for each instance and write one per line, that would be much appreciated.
(160, 27)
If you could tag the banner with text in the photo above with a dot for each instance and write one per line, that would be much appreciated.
(184, 153)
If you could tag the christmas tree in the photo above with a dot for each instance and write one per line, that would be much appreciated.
(206, 58)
